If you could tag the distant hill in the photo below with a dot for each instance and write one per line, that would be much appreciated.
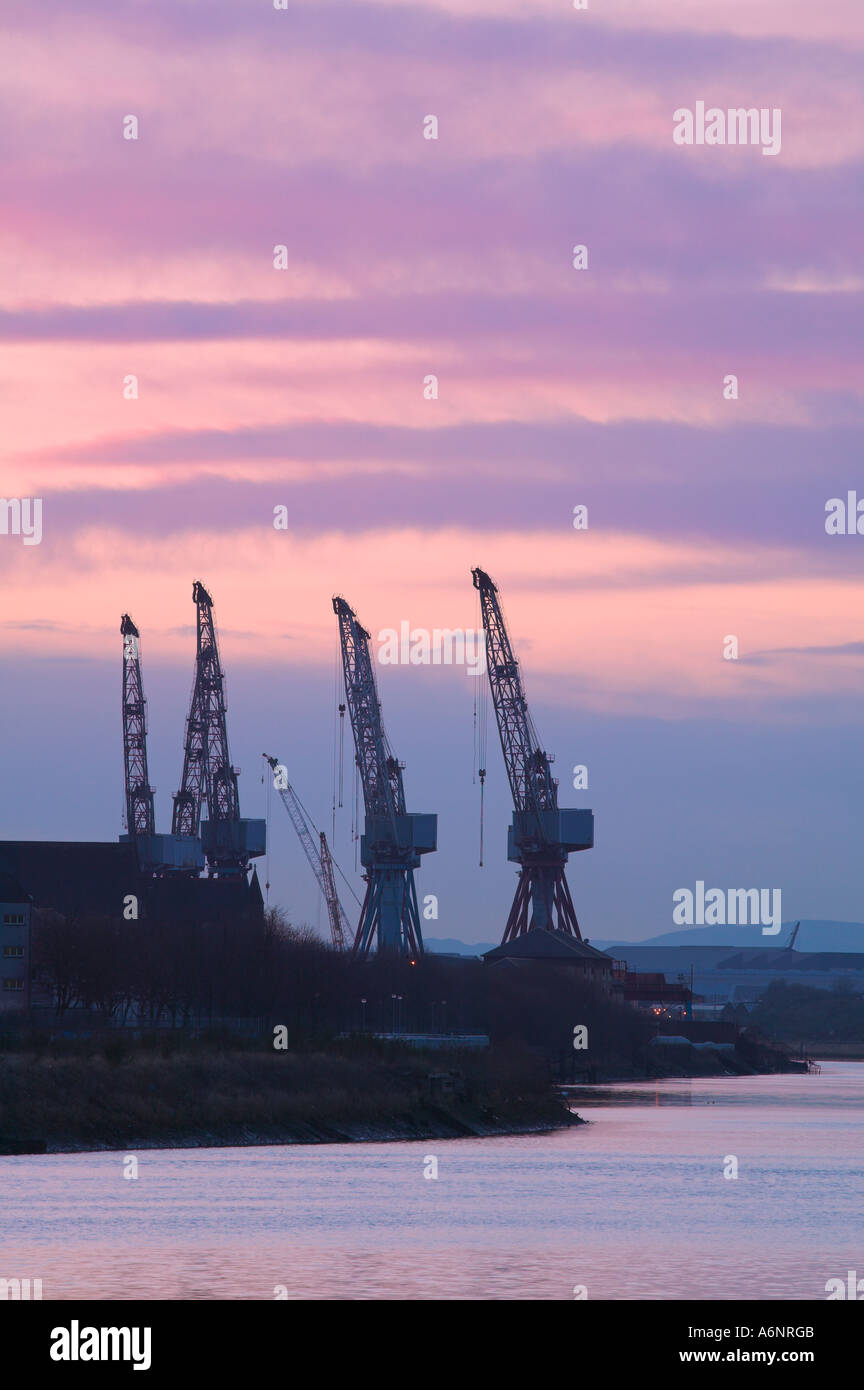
(450, 945)
(813, 936)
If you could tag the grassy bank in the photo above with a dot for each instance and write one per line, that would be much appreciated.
(201, 1096)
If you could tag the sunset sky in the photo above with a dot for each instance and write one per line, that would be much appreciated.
(304, 387)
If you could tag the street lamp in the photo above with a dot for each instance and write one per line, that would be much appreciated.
(363, 1002)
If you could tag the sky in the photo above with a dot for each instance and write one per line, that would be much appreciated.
(307, 388)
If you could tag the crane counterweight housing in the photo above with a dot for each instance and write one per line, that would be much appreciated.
(417, 832)
(393, 838)
(542, 834)
(569, 828)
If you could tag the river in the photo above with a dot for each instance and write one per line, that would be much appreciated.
(633, 1205)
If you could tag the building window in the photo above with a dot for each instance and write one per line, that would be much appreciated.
(13, 919)
(14, 951)
(13, 985)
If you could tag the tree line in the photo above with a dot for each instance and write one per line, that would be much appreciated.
(186, 974)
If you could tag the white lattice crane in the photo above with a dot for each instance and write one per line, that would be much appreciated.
(320, 860)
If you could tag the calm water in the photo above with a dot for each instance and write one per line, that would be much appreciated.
(633, 1206)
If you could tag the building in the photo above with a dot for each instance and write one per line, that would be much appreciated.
(559, 950)
(15, 944)
(97, 879)
(738, 976)
(652, 992)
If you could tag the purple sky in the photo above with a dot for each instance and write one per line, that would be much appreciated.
(304, 387)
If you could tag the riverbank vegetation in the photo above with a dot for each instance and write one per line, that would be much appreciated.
(172, 1090)
(267, 973)
(799, 1013)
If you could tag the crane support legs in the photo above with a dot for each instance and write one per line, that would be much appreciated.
(390, 909)
(542, 900)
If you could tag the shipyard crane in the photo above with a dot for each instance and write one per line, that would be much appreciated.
(229, 842)
(542, 835)
(155, 853)
(393, 838)
(319, 859)
(140, 815)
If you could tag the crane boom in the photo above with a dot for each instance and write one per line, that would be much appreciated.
(394, 839)
(528, 768)
(156, 854)
(541, 836)
(320, 861)
(208, 775)
(380, 772)
(207, 771)
(140, 815)
(339, 928)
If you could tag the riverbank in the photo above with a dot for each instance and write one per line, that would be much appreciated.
(677, 1059)
(209, 1100)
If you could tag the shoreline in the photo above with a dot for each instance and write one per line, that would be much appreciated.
(449, 1129)
(110, 1102)
(405, 1129)
(248, 1099)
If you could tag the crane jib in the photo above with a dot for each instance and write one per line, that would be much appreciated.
(541, 835)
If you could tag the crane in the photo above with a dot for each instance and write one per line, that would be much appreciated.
(795, 930)
(155, 853)
(339, 927)
(140, 815)
(393, 838)
(319, 859)
(228, 841)
(542, 835)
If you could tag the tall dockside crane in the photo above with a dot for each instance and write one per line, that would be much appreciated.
(140, 815)
(228, 841)
(319, 858)
(393, 838)
(155, 853)
(541, 836)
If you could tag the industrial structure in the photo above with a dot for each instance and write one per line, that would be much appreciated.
(154, 853)
(542, 835)
(228, 841)
(160, 874)
(393, 838)
(554, 949)
(140, 816)
(320, 860)
(16, 909)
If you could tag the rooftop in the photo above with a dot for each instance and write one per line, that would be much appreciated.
(542, 944)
